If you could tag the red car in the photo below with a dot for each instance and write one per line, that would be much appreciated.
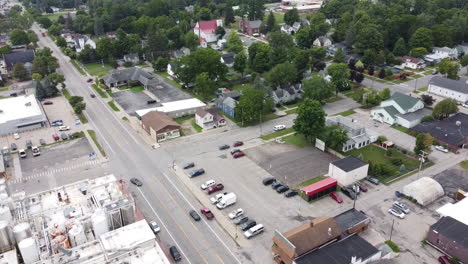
(238, 144)
(444, 260)
(238, 154)
(336, 197)
(206, 212)
(215, 188)
(56, 137)
(362, 187)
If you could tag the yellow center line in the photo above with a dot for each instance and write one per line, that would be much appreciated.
(220, 259)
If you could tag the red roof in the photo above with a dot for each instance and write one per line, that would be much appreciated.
(208, 26)
(319, 186)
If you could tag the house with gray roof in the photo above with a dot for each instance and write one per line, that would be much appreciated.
(358, 135)
(133, 58)
(400, 109)
(286, 94)
(227, 102)
(448, 88)
(118, 78)
(11, 59)
(251, 28)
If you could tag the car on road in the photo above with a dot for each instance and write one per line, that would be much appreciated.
(64, 136)
(215, 199)
(336, 197)
(194, 215)
(401, 206)
(48, 103)
(290, 193)
(155, 227)
(22, 153)
(235, 151)
(282, 189)
(373, 180)
(196, 173)
(223, 147)
(42, 141)
(348, 192)
(13, 146)
(175, 254)
(215, 188)
(238, 144)
(240, 220)
(279, 127)
(35, 151)
(396, 213)
(440, 148)
(136, 181)
(64, 128)
(275, 185)
(247, 225)
(238, 154)
(207, 184)
(362, 187)
(236, 213)
(207, 213)
(253, 231)
(16, 136)
(89, 80)
(56, 137)
(268, 181)
(189, 165)
(92, 95)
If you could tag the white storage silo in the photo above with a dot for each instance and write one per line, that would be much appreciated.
(5, 213)
(6, 242)
(76, 235)
(22, 231)
(99, 222)
(29, 251)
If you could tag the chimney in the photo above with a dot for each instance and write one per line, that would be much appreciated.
(311, 223)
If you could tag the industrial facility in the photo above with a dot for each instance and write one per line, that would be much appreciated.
(91, 221)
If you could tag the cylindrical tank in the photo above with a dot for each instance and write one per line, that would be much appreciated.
(99, 222)
(22, 231)
(5, 240)
(5, 213)
(77, 235)
(28, 249)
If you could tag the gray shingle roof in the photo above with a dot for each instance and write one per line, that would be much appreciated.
(255, 23)
(350, 218)
(349, 163)
(18, 57)
(452, 229)
(228, 58)
(446, 130)
(415, 115)
(134, 74)
(404, 101)
(454, 85)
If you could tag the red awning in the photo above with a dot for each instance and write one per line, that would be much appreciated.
(319, 186)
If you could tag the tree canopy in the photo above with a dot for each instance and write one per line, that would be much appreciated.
(310, 120)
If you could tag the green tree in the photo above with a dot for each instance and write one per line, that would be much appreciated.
(234, 43)
(105, 48)
(334, 137)
(418, 52)
(339, 56)
(18, 37)
(423, 143)
(385, 94)
(281, 74)
(79, 107)
(445, 108)
(301, 62)
(45, 22)
(56, 78)
(55, 29)
(199, 61)
(204, 86)
(229, 15)
(98, 27)
(61, 42)
(318, 89)
(400, 47)
(44, 63)
(422, 37)
(449, 68)
(339, 76)
(259, 57)
(369, 37)
(442, 36)
(291, 16)
(463, 60)
(160, 65)
(270, 23)
(303, 38)
(255, 9)
(282, 46)
(5, 50)
(191, 41)
(252, 105)
(310, 120)
(220, 31)
(157, 43)
(36, 76)
(20, 72)
(240, 62)
(369, 58)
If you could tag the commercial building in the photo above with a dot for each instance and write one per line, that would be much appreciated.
(159, 126)
(176, 109)
(449, 236)
(206, 30)
(358, 135)
(457, 211)
(448, 88)
(352, 222)
(117, 78)
(20, 114)
(348, 170)
(319, 189)
(302, 6)
(425, 190)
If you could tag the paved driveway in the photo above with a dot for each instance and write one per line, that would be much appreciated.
(131, 101)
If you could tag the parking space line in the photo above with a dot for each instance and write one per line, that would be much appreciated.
(220, 259)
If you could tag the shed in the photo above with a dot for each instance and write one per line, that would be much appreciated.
(425, 190)
(348, 170)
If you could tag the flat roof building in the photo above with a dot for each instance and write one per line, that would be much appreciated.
(176, 108)
(21, 113)
(319, 189)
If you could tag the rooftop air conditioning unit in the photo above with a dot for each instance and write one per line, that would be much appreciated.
(28, 104)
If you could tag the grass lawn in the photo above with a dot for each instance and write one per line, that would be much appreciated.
(333, 99)
(293, 105)
(196, 127)
(92, 134)
(297, 140)
(402, 129)
(279, 17)
(113, 106)
(423, 89)
(292, 111)
(99, 91)
(278, 133)
(180, 120)
(137, 89)
(346, 113)
(77, 66)
(241, 87)
(269, 116)
(393, 246)
(110, 93)
(97, 69)
(310, 181)
(3, 89)
(166, 76)
(464, 164)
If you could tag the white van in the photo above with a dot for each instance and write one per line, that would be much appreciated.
(22, 153)
(279, 127)
(254, 231)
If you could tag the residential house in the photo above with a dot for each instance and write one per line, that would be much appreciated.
(205, 30)
(332, 49)
(132, 58)
(11, 59)
(302, 6)
(449, 236)
(348, 170)
(448, 88)
(322, 41)
(228, 59)
(358, 135)
(177, 54)
(160, 126)
(118, 78)
(287, 93)
(400, 109)
(171, 68)
(451, 131)
(412, 63)
(227, 102)
(209, 118)
(79, 43)
(291, 30)
(439, 54)
(462, 49)
(251, 28)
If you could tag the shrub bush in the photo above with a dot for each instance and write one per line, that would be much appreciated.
(396, 161)
(393, 246)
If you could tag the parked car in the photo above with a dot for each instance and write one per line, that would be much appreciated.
(253, 231)
(435, 72)
(71, 135)
(234, 151)
(13, 146)
(440, 148)
(290, 193)
(444, 260)
(282, 189)
(35, 151)
(268, 181)
(175, 253)
(238, 154)
(223, 147)
(348, 192)
(240, 220)
(64, 128)
(155, 227)
(465, 104)
(207, 213)
(5, 150)
(215, 199)
(64, 136)
(275, 185)
(401, 206)
(189, 165)
(336, 197)
(22, 153)
(236, 213)
(194, 215)
(136, 182)
(28, 144)
(16, 136)
(247, 225)
(196, 173)
(42, 141)
(362, 187)
(373, 180)
(215, 188)
(279, 127)
(56, 137)
(14, 94)
(396, 213)
(48, 103)
(89, 80)
(238, 144)
(151, 102)
(207, 184)
(57, 123)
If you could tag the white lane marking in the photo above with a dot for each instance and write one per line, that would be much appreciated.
(165, 227)
(206, 223)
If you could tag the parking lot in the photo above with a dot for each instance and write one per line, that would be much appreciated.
(452, 180)
(132, 101)
(166, 92)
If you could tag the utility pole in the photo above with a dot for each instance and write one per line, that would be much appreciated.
(391, 230)
(416, 85)
(422, 159)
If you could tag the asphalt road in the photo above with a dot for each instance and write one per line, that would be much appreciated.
(161, 197)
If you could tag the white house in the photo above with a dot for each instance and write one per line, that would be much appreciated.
(358, 135)
(348, 170)
(400, 109)
(412, 63)
(205, 30)
(445, 52)
(209, 118)
(171, 67)
(291, 29)
(322, 41)
(448, 88)
(79, 42)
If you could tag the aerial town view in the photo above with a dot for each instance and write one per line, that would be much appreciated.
(234, 131)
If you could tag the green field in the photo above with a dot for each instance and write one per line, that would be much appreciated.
(137, 89)
(297, 140)
(99, 91)
(346, 113)
(98, 69)
(278, 133)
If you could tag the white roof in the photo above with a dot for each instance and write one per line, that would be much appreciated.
(458, 211)
(18, 108)
(9, 257)
(173, 106)
(127, 237)
(425, 190)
